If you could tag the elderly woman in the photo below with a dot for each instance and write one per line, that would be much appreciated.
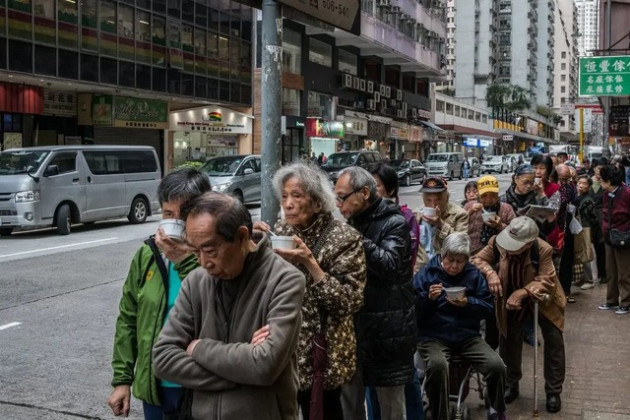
(522, 193)
(450, 324)
(331, 255)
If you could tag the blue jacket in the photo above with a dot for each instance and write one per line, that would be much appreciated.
(440, 320)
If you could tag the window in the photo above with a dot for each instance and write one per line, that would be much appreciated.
(68, 64)
(291, 51)
(21, 56)
(563, 66)
(563, 77)
(125, 32)
(108, 26)
(439, 106)
(319, 52)
(44, 11)
(89, 41)
(563, 54)
(45, 60)
(290, 102)
(449, 108)
(563, 89)
(347, 62)
(65, 162)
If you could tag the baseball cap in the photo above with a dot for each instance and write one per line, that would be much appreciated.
(520, 232)
(433, 184)
(487, 184)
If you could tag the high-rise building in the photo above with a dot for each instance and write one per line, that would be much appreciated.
(565, 59)
(450, 47)
(504, 41)
(588, 26)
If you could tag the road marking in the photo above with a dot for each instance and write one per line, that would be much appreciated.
(9, 325)
(58, 247)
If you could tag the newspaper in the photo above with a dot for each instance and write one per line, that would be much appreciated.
(536, 212)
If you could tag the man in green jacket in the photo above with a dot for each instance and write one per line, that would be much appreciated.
(149, 293)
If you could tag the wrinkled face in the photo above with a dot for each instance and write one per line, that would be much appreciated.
(436, 200)
(380, 187)
(350, 202)
(524, 183)
(489, 199)
(219, 257)
(453, 264)
(582, 186)
(471, 194)
(298, 206)
(541, 171)
(171, 209)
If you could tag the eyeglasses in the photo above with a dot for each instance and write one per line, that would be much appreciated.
(525, 181)
(343, 198)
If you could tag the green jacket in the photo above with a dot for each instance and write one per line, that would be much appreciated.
(139, 323)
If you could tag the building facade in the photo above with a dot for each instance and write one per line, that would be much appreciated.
(111, 71)
(566, 61)
(588, 26)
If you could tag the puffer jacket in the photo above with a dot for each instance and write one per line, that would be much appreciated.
(140, 320)
(385, 325)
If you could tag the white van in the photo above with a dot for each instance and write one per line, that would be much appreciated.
(60, 185)
(446, 164)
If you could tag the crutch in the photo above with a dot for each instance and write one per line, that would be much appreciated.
(535, 411)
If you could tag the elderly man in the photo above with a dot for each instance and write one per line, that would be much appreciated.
(450, 324)
(385, 325)
(438, 219)
(232, 336)
(525, 272)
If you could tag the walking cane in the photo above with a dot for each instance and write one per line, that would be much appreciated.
(535, 412)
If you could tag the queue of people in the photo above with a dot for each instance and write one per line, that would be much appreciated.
(220, 324)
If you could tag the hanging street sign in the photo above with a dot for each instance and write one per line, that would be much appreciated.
(567, 108)
(344, 14)
(604, 76)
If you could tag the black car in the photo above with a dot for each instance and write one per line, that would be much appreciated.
(337, 162)
(409, 171)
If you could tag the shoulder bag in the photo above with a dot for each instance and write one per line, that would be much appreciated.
(617, 238)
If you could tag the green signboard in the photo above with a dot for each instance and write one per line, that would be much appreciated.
(140, 112)
(605, 76)
(101, 109)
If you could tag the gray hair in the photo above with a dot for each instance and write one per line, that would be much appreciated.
(183, 184)
(314, 181)
(457, 243)
(360, 178)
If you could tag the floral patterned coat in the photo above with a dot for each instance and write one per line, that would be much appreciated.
(339, 296)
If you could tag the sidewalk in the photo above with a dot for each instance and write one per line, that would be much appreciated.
(597, 385)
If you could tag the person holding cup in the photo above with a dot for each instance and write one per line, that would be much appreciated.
(448, 322)
(331, 255)
(142, 312)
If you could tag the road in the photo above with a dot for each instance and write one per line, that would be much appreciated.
(58, 305)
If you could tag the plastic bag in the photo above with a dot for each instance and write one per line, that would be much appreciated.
(575, 227)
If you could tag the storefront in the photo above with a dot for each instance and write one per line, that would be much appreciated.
(355, 131)
(324, 136)
(202, 133)
(477, 146)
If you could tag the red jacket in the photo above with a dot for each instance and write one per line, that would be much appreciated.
(620, 218)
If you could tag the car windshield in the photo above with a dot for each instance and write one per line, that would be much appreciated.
(14, 162)
(493, 158)
(341, 160)
(222, 166)
(400, 164)
(437, 158)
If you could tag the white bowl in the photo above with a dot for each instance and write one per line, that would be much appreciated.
(488, 215)
(173, 228)
(429, 212)
(456, 292)
(282, 242)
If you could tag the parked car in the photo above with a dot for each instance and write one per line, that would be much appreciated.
(238, 175)
(60, 185)
(409, 171)
(447, 164)
(475, 166)
(495, 163)
(337, 162)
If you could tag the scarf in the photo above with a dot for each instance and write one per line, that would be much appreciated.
(488, 232)
(515, 280)
(519, 201)
(567, 195)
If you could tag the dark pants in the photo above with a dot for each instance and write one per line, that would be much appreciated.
(511, 349)
(600, 255)
(413, 401)
(618, 288)
(483, 359)
(332, 404)
(170, 398)
(492, 331)
(567, 259)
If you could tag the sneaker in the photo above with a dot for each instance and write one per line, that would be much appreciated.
(496, 416)
(570, 299)
(607, 306)
(622, 310)
(587, 286)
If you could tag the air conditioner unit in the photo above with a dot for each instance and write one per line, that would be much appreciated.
(399, 95)
(358, 104)
(370, 86)
(404, 108)
(414, 112)
(377, 97)
(382, 90)
(383, 107)
(355, 83)
(383, 3)
(388, 92)
(400, 114)
(371, 104)
(392, 103)
(346, 81)
(362, 85)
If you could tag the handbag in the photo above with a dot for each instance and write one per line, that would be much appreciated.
(583, 250)
(617, 238)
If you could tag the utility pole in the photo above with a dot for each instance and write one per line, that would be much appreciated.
(581, 153)
(271, 91)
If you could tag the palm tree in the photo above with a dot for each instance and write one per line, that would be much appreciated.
(519, 99)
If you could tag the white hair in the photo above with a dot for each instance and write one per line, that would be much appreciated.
(314, 181)
(360, 178)
(457, 243)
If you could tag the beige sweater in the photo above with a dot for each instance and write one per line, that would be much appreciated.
(231, 378)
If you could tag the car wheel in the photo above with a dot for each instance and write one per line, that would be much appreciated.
(139, 211)
(407, 180)
(238, 194)
(6, 231)
(63, 220)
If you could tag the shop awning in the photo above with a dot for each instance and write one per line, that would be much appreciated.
(429, 124)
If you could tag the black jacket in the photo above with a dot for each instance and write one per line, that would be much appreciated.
(385, 326)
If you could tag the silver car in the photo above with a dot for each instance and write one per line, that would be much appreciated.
(238, 175)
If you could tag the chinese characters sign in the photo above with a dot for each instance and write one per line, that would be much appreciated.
(605, 76)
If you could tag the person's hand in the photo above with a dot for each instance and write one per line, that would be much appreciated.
(435, 290)
(262, 226)
(434, 220)
(191, 347)
(538, 188)
(461, 302)
(514, 301)
(175, 251)
(494, 284)
(120, 400)
(299, 255)
(260, 335)
(476, 207)
(494, 223)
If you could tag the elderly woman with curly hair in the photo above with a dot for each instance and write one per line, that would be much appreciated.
(331, 255)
